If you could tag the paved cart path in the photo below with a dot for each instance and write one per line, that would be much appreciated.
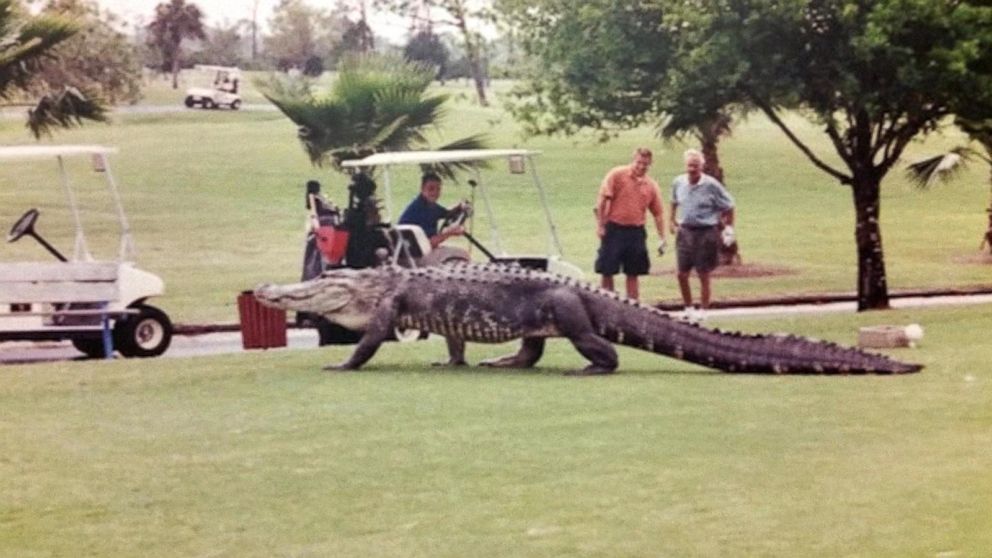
(184, 346)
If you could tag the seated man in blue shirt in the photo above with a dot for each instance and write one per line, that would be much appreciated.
(425, 212)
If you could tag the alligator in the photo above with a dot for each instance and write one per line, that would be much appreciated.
(491, 303)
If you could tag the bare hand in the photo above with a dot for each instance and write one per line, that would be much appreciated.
(455, 230)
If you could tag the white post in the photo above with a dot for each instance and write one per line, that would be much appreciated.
(493, 229)
(553, 240)
(387, 181)
(79, 250)
(126, 251)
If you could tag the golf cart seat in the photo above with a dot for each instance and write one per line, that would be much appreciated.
(408, 240)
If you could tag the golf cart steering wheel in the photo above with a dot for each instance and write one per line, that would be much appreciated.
(456, 217)
(23, 226)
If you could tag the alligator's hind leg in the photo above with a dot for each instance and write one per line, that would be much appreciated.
(573, 322)
(531, 350)
(602, 355)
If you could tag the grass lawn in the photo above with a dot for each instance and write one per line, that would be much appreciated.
(216, 203)
(262, 455)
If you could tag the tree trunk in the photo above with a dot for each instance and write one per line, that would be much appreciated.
(471, 52)
(175, 72)
(709, 138)
(709, 134)
(873, 290)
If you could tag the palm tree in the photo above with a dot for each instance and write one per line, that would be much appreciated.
(24, 43)
(377, 103)
(174, 21)
(943, 167)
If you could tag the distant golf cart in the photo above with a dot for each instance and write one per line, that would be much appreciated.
(223, 90)
(359, 236)
(100, 305)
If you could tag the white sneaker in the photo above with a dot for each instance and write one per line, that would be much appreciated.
(690, 314)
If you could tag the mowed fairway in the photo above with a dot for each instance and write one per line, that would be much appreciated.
(215, 200)
(263, 455)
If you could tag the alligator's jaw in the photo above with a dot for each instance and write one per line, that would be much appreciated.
(308, 296)
(341, 297)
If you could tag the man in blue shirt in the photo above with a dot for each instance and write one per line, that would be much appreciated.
(425, 212)
(703, 202)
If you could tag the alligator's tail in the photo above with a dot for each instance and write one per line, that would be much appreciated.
(652, 330)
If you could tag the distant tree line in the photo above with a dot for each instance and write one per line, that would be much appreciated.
(311, 39)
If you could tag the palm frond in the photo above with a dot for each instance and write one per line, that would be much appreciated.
(377, 103)
(927, 172)
(65, 108)
(450, 171)
(24, 44)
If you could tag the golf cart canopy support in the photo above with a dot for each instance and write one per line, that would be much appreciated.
(388, 160)
(98, 155)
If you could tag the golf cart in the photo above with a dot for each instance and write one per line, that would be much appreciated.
(97, 304)
(360, 236)
(409, 242)
(223, 91)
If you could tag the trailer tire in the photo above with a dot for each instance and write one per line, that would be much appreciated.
(190, 102)
(145, 334)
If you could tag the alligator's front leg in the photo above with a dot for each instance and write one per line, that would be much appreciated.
(456, 352)
(531, 350)
(378, 330)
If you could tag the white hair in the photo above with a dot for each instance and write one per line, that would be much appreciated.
(691, 154)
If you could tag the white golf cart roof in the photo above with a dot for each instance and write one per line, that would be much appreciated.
(98, 154)
(212, 68)
(429, 157)
(516, 158)
(15, 152)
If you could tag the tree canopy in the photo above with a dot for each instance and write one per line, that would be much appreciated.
(427, 47)
(175, 21)
(300, 32)
(99, 58)
(26, 43)
(871, 75)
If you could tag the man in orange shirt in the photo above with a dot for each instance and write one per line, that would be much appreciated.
(626, 193)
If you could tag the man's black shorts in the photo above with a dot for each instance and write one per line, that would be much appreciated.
(697, 248)
(623, 248)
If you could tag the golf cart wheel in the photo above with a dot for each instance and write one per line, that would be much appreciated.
(145, 334)
(236, 105)
(92, 348)
(208, 104)
(190, 102)
(330, 333)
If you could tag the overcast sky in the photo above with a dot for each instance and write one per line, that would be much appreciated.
(219, 11)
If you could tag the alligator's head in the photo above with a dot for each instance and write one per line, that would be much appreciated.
(345, 296)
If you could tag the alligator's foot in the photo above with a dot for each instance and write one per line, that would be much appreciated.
(531, 349)
(340, 367)
(450, 362)
(591, 370)
(506, 361)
